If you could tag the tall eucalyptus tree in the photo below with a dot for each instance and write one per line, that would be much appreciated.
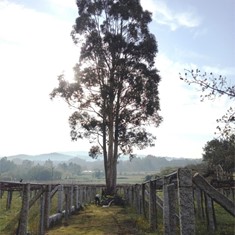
(115, 90)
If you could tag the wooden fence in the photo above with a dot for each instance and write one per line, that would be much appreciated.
(70, 198)
(180, 196)
(183, 197)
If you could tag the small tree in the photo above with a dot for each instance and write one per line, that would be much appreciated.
(220, 152)
(211, 87)
(116, 84)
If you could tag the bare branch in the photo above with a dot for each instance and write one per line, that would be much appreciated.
(211, 87)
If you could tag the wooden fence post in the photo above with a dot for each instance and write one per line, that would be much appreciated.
(60, 198)
(92, 194)
(143, 200)
(132, 195)
(186, 203)
(1, 193)
(137, 196)
(23, 222)
(87, 193)
(9, 199)
(66, 216)
(71, 198)
(169, 210)
(81, 195)
(42, 214)
(152, 206)
(47, 206)
(76, 197)
(127, 189)
(210, 213)
(199, 200)
(84, 195)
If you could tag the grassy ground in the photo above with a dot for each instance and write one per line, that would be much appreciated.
(117, 220)
(8, 218)
(102, 221)
(98, 220)
(225, 223)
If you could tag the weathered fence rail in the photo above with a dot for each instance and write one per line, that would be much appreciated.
(183, 198)
(180, 197)
(70, 198)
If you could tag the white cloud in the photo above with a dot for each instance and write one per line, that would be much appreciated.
(64, 9)
(35, 40)
(225, 71)
(71, 4)
(35, 48)
(163, 15)
(187, 123)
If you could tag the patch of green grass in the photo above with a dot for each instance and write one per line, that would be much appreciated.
(225, 223)
(95, 220)
(130, 179)
(8, 218)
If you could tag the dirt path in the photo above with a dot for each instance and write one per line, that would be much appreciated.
(98, 220)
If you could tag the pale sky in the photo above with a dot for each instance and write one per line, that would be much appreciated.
(35, 47)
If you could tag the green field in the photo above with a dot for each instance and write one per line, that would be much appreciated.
(125, 178)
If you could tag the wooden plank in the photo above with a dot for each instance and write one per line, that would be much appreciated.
(210, 213)
(23, 222)
(143, 200)
(214, 194)
(169, 209)
(36, 197)
(47, 206)
(152, 206)
(55, 189)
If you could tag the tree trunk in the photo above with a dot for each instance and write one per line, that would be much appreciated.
(110, 154)
(112, 162)
(112, 176)
(105, 153)
(113, 146)
(111, 167)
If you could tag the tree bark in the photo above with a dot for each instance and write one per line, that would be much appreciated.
(112, 162)
(105, 151)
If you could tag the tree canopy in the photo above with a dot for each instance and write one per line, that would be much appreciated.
(220, 152)
(115, 90)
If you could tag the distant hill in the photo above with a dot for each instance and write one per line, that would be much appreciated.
(55, 157)
(140, 163)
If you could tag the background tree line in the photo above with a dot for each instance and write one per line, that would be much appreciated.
(216, 151)
(48, 170)
(29, 170)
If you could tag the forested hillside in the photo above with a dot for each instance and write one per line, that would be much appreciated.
(57, 166)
